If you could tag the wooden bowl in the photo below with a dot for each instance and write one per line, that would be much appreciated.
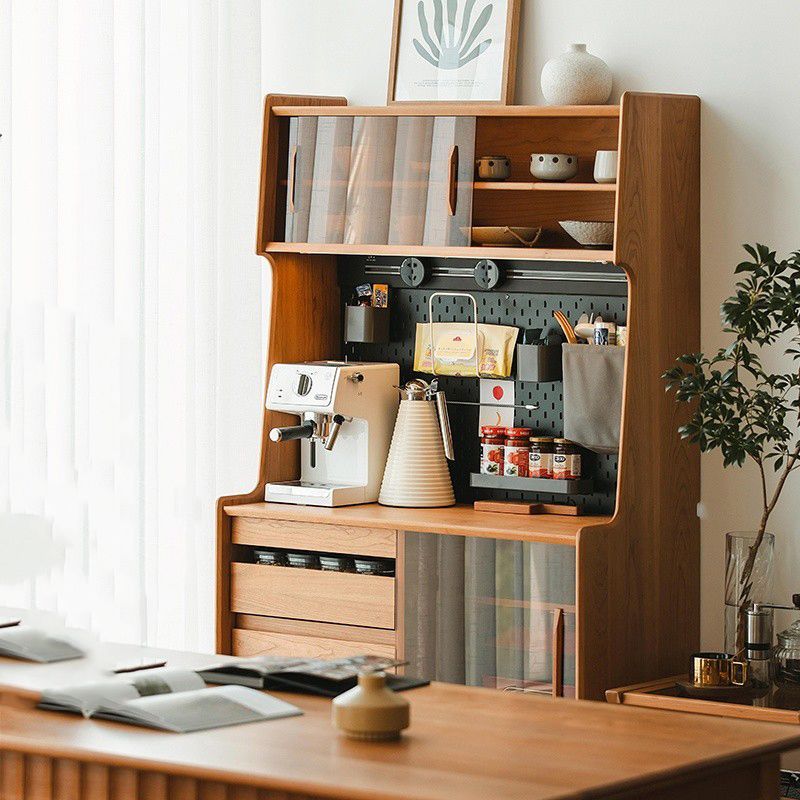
(505, 236)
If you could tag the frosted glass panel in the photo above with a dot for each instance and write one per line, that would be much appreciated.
(302, 145)
(331, 173)
(412, 161)
(369, 189)
(481, 611)
(452, 161)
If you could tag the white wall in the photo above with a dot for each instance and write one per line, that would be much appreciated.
(742, 58)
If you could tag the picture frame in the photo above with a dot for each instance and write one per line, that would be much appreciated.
(475, 39)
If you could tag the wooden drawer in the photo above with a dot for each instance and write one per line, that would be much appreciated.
(298, 645)
(313, 536)
(311, 594)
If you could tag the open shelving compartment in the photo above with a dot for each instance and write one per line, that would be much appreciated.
(611, 569)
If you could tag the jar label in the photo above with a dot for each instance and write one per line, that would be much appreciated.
(541, 465)
(567, 467)
(492, 459)
(517, 461)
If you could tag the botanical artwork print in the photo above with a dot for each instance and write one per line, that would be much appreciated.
(451, 50)
(451, 46)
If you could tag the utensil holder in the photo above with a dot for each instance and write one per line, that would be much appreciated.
(366, 324)
(593, 378)
(539, 362)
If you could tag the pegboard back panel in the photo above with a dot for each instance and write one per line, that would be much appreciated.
(502, 307)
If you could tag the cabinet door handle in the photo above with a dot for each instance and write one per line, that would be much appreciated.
(558, 652)
(452, 185)
(292, 177)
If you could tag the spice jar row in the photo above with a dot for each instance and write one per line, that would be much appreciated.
(514, 452)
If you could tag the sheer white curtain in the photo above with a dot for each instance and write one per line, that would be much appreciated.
(130, 302)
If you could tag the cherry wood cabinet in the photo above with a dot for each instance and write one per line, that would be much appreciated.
(620, 602)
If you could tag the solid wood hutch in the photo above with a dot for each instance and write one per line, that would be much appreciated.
(593, 601)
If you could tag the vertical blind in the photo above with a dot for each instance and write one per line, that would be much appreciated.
(130, 304)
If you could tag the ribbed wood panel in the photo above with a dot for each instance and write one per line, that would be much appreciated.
(66, 779)
(125, 784)
(38, 778)
(35, 777)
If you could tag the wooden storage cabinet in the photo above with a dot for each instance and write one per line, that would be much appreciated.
(319, 205)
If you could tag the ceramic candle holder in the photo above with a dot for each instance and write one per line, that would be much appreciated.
(371, 711)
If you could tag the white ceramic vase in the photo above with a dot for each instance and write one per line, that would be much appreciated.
(576, 78)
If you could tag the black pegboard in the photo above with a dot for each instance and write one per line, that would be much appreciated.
(503, 307)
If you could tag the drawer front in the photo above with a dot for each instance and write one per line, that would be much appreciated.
(310, 594)
(321, 538)
(257, 643)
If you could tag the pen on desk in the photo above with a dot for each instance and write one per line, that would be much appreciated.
(9, 623)
(138, 667)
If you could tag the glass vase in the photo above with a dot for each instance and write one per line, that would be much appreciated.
(741, 590)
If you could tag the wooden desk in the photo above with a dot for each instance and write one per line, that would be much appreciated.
(465, 743)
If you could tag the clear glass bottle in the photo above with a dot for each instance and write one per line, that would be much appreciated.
(786, 658)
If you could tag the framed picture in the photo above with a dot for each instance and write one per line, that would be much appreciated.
(461, 51)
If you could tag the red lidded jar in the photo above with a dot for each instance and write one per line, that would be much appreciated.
(518, 452)
(492, 450)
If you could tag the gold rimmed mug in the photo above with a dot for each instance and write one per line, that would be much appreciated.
(718, 669)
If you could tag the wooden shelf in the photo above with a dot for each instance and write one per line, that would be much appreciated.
(587, 254)
(460, 520)
(543, 186)
(445, 109)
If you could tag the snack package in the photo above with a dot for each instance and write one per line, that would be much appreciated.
(456, 345)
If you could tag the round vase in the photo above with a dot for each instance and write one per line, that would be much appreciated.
(371, 711)
(576, 78)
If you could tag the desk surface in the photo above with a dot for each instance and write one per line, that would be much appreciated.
(463, 742)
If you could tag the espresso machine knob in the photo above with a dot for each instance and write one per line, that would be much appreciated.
(303, 385)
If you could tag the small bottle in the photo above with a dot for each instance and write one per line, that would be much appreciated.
(566, 460)
(541, 459)
(518, 452)
(492, 450)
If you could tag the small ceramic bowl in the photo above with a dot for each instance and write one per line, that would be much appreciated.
(493, 168)
(590, 234)
(554, 166)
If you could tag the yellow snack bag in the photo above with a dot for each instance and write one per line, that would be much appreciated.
(455, 348)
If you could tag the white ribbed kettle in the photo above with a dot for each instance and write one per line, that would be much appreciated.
(416, 474)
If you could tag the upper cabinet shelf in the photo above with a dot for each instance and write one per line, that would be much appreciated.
(401, 180)
(541, 186)
(447, 109)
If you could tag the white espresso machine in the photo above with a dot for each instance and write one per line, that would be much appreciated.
(347, 413)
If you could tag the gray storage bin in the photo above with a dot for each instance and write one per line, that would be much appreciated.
(539, 362)
(366, 324)
(593, 377)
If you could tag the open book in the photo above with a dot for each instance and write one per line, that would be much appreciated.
(169, 699)
(326, 677)
(31, 644)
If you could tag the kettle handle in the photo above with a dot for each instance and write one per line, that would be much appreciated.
(444, 425)
(475, 322)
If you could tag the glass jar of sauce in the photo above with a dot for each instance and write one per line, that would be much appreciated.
(493, 441)
(518, 452)
(566, 460)
(541, 457)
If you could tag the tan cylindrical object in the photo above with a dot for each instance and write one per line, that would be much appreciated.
(371, 711)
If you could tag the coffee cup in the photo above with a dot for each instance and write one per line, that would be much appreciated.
(605, 166)
(718, 669)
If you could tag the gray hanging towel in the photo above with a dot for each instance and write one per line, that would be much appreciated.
(593, 377)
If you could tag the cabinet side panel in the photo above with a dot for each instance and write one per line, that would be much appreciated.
(639, 577)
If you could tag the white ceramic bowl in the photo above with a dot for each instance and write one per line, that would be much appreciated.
(590, 234)
(554, 166)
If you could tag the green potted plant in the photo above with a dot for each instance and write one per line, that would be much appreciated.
(749, 412)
